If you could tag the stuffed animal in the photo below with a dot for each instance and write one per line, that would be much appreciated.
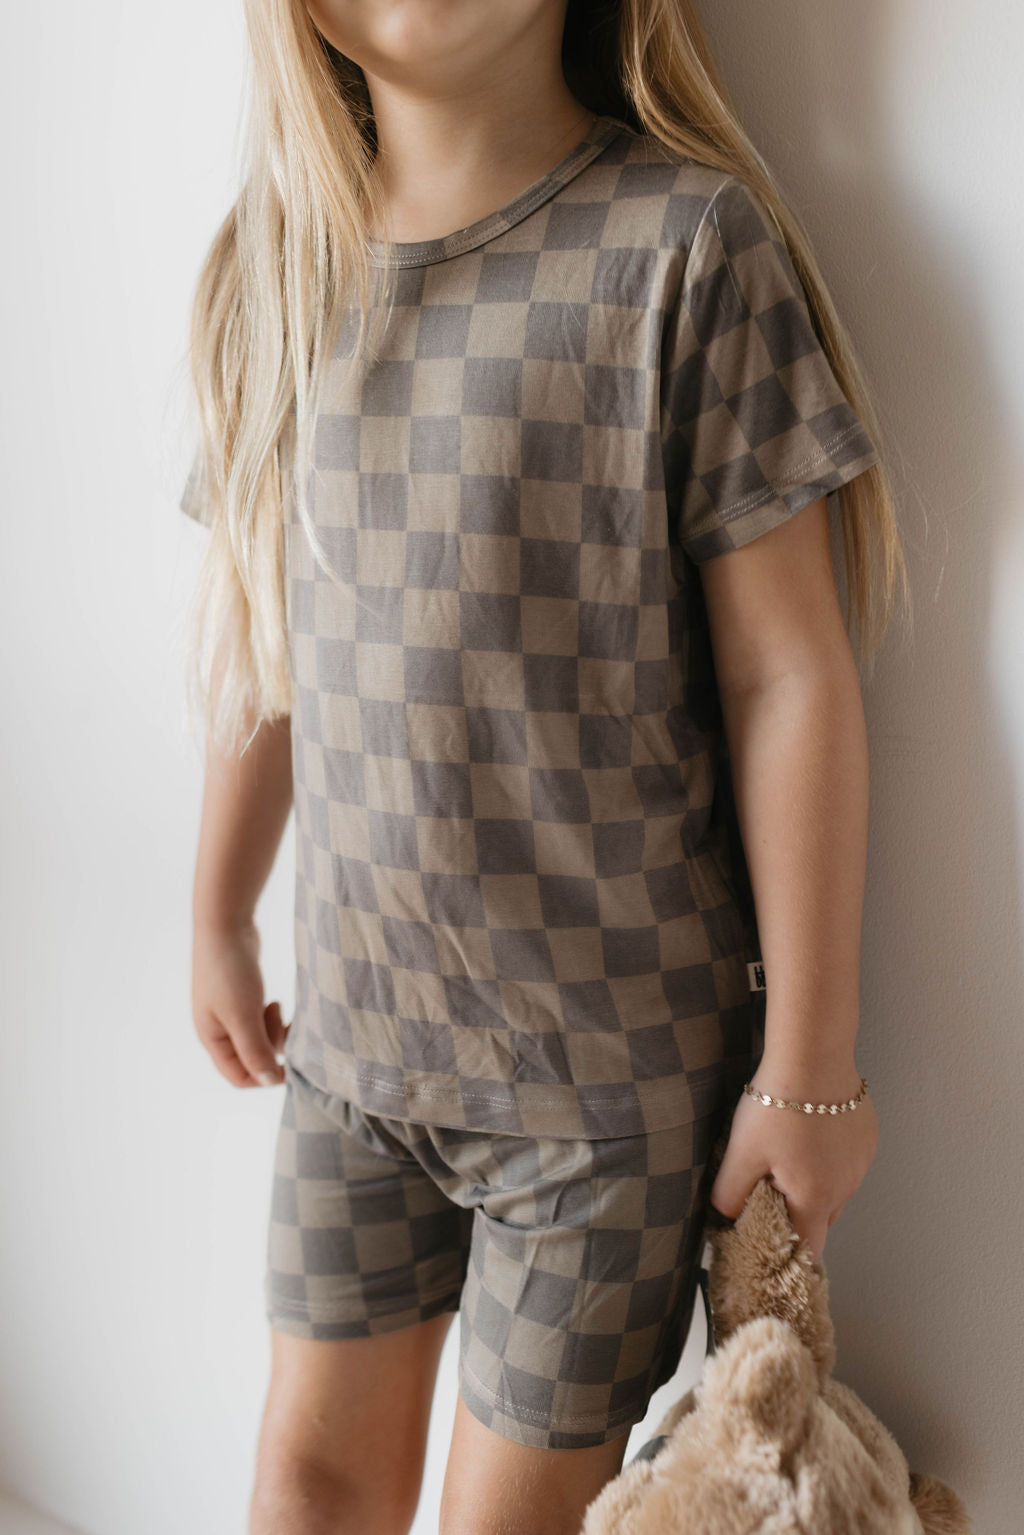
(767, 1443)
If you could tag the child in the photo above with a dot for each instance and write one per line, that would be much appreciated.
(517, 436)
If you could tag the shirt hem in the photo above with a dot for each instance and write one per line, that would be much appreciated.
(578, 1113)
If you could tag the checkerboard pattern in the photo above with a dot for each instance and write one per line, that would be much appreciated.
(755, 424)
(521, 897)
(573, 1263)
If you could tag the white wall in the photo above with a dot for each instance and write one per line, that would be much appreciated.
(896, 127)
(133, 1352)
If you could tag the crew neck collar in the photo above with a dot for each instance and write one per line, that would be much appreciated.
(424, 252)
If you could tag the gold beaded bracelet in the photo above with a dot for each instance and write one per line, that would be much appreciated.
(807, 1108)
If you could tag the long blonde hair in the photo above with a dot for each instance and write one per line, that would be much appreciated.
(291, 257)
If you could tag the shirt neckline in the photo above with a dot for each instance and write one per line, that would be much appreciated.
(424, 252)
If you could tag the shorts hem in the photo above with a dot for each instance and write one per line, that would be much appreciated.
(288, 1311)
(539, 1428)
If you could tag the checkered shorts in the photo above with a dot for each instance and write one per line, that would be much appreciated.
(573, 1263)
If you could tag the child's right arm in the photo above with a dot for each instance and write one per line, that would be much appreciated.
(246, 802)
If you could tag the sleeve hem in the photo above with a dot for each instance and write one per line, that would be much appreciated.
(747, 520)
(796, 474)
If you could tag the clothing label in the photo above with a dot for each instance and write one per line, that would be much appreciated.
(755, 974)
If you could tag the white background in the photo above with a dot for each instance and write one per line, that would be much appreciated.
(133, 1351)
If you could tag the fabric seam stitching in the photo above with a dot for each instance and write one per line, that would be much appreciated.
(457, 1095)
(457, 246)
(756, 498)
(596, 1421)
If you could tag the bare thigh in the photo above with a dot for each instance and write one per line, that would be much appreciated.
(496, 1486)
(344, 1431)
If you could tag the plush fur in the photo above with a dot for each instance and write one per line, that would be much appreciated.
(768, 1443)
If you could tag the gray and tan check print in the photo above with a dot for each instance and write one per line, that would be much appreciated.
(572, 1263)
(521, 899)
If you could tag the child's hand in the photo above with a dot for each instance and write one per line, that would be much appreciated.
(818, 1161)
(241, 1034)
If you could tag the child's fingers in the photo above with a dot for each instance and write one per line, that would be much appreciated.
(277, 1029)
(255, 1050)
(809, 1223)
(732, 1186)
(240, 1050)
(222, 1053)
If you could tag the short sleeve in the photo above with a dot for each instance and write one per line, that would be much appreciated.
(192, 501)
(754, 422)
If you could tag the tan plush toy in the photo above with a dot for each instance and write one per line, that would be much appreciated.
(767, 1443)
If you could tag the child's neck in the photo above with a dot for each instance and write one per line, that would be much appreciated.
(428, 198)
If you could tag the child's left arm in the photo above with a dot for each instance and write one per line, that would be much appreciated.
(797, 740)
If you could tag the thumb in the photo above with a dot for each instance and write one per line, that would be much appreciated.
(276, 1027)
(731, 1188)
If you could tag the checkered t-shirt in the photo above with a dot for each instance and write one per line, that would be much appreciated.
(521, 899)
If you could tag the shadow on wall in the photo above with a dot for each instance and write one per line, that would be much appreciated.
(942, 958)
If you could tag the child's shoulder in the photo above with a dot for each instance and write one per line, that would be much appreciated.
(660, 163)
(667, 193)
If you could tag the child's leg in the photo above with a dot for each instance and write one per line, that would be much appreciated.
(495, 1486)
(344, 1432)
(579, 1292)
(366, 1260)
